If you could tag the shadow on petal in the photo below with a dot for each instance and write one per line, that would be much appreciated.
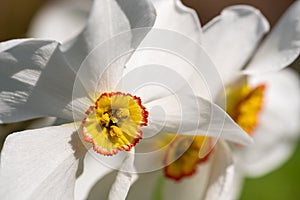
(79, 151)
(101, 189)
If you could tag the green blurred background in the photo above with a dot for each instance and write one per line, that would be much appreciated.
(281, 184)
(15, 17)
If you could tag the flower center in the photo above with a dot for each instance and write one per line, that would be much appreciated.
(112, 124)
(188, 152)
(244, 105)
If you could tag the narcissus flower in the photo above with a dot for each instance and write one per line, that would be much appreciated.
(79, 82)
(255, 99)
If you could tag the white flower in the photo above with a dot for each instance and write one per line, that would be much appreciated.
(37, 79)
(239, 50)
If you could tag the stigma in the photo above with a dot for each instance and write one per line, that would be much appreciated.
(113, 123)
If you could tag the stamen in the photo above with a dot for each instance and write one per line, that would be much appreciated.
(112, 124)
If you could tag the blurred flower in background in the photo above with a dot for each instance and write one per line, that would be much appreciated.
(257, 100)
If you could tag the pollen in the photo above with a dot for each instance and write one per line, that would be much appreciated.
(188, 152)
(245, 104)
(113, 123)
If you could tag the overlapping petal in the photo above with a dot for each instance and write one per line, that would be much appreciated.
(281, 47)
(124, 178)
(31, 86)
(93, 171)
(106, 37)
(176, 30)
(60, 20)
(231, 38)
(36, 163)
(221, 179)
(194, 116)
(141, 14)
(106, 21)
(174, 16)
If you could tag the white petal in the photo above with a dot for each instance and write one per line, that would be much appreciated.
(192, 188)
(30, 124)
(281, 47)
(222, 174)
(231, 38)
(40, 163)
(101, 180)
(238, 184)
(124, 178)
(106, 21)
(101, 189)
(167, 61)
(140, 13)
(36, 81)
(278, 129)
(212, 179)
(174, 16)
(6, 129)
(144, 186)
(149, 184)
(183, 114)
(173, 43)
(93, 171)
(102, 49)
(60, 20)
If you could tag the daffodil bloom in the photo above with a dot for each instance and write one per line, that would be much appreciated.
(73, 81)
(263, 104)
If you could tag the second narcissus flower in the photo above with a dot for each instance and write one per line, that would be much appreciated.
(255, 88)
(82, 81)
